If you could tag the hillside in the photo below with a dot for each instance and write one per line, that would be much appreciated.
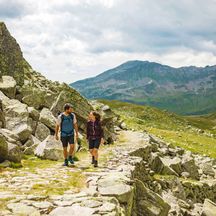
(185, 90)
(29, 105)
(177, 130)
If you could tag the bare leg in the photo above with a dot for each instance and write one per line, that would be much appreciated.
(65, 152)
(71, 150)
(96, 154)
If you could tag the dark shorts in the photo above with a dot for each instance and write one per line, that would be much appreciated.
(67, 140)
(94, 143)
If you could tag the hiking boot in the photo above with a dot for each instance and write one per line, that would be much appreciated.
(93, 160)
(70, 159)
(65, 162)
(95, 163)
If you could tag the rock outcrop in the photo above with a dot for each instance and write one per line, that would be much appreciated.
(12, 62)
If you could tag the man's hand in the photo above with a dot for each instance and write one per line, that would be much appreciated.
(57, 137)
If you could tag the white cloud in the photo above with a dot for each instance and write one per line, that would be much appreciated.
(70, 40)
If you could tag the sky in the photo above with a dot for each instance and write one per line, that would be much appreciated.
(69, 40)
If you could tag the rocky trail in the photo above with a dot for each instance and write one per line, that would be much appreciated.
(130, 181)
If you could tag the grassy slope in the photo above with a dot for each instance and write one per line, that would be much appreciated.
(178, 130)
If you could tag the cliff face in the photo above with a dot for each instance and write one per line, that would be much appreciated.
(12, 62)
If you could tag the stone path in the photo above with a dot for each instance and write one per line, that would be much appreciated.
(105, 188)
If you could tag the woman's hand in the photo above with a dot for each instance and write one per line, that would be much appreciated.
(102, 141)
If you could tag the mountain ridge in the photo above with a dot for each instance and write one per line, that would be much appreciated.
(184, 90)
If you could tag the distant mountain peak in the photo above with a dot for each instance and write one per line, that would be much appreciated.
(184, 90)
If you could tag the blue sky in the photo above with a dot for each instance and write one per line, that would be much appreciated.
(68, 40)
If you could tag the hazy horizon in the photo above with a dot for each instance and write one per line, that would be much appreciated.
(73, 40)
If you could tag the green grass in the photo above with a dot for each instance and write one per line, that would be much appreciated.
(204, 122)
(178, 130)
(75, 181)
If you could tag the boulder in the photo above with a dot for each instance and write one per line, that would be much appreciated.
(123, 126)
(14, 153)
(31, 145)
(37, 97)
(10, 136)
(23, 131)
(74, 210)
(115, 185)
(47, 118)
(32, 124)
(148, 202)
(162, 166)
(3, 149)
(188, 165)
(33, 113)
(80, 104)
(209, 208)
(16, 117)
(173, 163)
(42, 131)
(50, 149)
(207, 169)
(8, 86)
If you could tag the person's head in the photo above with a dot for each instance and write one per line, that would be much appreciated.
(94, 116)
(68, 108)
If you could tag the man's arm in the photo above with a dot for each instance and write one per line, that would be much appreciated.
(76, 130)
(57, 131)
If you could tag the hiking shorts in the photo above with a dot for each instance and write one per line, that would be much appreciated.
(94, 143)
(67, 140)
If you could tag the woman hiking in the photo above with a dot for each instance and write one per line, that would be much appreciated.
(95, 135)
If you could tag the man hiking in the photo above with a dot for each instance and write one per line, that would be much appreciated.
(66, 123)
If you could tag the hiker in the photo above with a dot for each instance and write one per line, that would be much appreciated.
(66, 123)
(95, 136)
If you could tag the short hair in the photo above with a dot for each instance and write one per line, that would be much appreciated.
(67, 106)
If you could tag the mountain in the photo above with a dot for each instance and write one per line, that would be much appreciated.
(184, 90)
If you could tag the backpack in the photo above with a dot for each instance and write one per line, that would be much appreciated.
(67, 130)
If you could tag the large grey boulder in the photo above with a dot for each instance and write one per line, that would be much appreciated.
(162, 166)
(42, 131)
(148, 202)
(115, 185)
(33, 113)
(188, 165)
(173, 163)
(47, 118)
(23, 131)
(10, 136)
(31, 145)
(37, 97)
(14, 153)
(209, 208)
(50, 149)
(8, 86)
(3, 149)
(16, 117)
